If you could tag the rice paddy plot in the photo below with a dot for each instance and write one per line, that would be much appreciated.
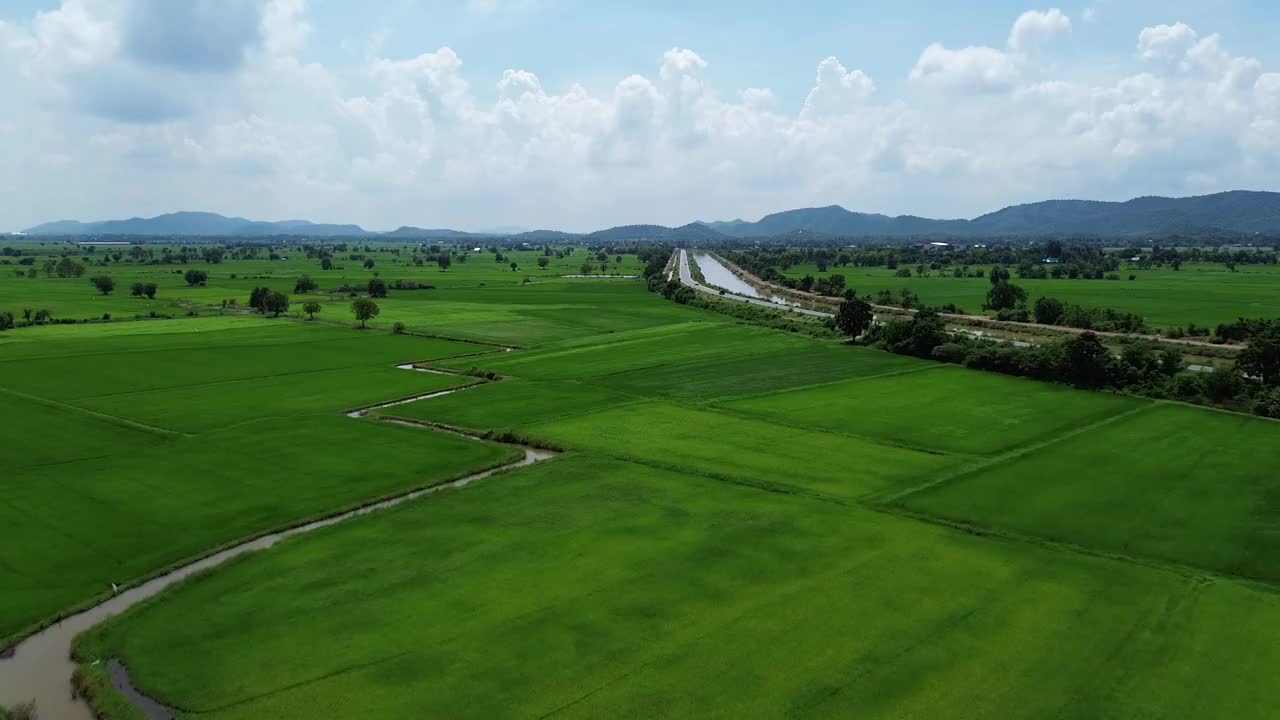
(1180, 484)
(623, 352)
(209, 406)
(88, 523)
(647, 593)
(510, 405)
(82, 370)
(745, 450)
(947, 409)
(803, 364)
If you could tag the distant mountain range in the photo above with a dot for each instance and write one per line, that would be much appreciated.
(1239, 212)
(194, 223)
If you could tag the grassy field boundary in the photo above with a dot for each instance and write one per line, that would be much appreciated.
(832, 431)
(971, 469)
(124, 422)
(1195, 572)
(128, 583)
(825, 383)
(17, 637)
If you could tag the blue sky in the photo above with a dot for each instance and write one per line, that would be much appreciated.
(582, 114)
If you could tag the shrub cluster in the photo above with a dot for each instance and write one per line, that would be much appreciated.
(1085, 361)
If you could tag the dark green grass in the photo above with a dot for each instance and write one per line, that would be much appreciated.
(76, 527)
(946, 408)
(593, 588)
(49, 434)
(803, 364)
(510, 405)
(749, 450)
(1176, 483)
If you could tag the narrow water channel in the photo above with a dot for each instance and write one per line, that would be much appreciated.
(718, 275)
(40, 667)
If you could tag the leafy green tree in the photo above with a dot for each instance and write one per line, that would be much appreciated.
(67, 268)
(276, 303)
(854, 316)
(928, 331)
(514, 266)
(365, 310)
(196, 278)
(999, 274)
(377, 288)
(1048, 311)
(1261, 358)
(258, 298)
(103, 283)
(368, 264)
(1171, 362)
(304, 285)
(326, 263)
(1005, 296)
(138, 289)
(1086, 361)
(543, 262)
(587, 268)
(311, 307)
(6, 321)
(444, 260)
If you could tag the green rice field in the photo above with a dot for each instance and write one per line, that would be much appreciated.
(742, 522)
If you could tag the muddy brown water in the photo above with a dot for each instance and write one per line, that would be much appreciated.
(40, 667)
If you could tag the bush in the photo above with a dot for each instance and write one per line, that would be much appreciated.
(950, 352)
(1014, 315)
(399, 328)
(1188, 386)
(1268, 404)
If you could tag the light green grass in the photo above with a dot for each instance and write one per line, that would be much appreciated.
(209, 406)
(510, 405)
(1176, 483)
(801, 364)
(625, 352)
(748, 450)
(946, 408)
(592, 588)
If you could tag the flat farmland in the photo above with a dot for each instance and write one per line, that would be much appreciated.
(115, 486)
(967, 411)
(1159, 484)
(743, 523)
(688, 597)
(510, 405)
(752, 451)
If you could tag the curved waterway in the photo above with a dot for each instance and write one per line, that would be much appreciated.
(40, 667)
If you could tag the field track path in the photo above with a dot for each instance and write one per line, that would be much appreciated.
(40, 667)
